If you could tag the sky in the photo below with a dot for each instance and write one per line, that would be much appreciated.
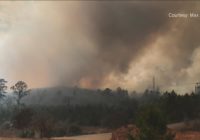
(95, 44)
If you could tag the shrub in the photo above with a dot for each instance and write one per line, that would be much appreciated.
(26, 134)
(74, 130)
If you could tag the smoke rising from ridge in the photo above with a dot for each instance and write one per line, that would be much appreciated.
(99, 44)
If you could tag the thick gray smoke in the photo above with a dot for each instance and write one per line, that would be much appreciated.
(121, 32)
(100, 44)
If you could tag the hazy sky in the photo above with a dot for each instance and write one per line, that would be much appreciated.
(100, 44)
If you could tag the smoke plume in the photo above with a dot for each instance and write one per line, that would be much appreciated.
(100, 44)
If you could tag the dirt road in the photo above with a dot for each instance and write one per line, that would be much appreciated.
(104, 136)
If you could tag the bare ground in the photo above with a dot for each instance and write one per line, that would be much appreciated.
(104, 136)
(188, 135)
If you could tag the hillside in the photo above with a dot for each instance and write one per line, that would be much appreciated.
(70, 96)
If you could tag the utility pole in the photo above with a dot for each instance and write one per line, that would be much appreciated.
(197, 87)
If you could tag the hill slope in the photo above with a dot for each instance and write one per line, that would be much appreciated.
(69, 96)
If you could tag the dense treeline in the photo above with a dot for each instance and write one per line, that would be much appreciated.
(63, 118)
(173, 107)
(180, 107)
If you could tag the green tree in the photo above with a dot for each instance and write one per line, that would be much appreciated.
(152, 124)
(3, 88)
(20, 89)
(43, 123)
(22, 118)
(107, 91)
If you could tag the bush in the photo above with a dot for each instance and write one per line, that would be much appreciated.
(58, 132)
(74, 130)
(130, 137)
(26, 134)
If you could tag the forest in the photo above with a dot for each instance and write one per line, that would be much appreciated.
(150, 111)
